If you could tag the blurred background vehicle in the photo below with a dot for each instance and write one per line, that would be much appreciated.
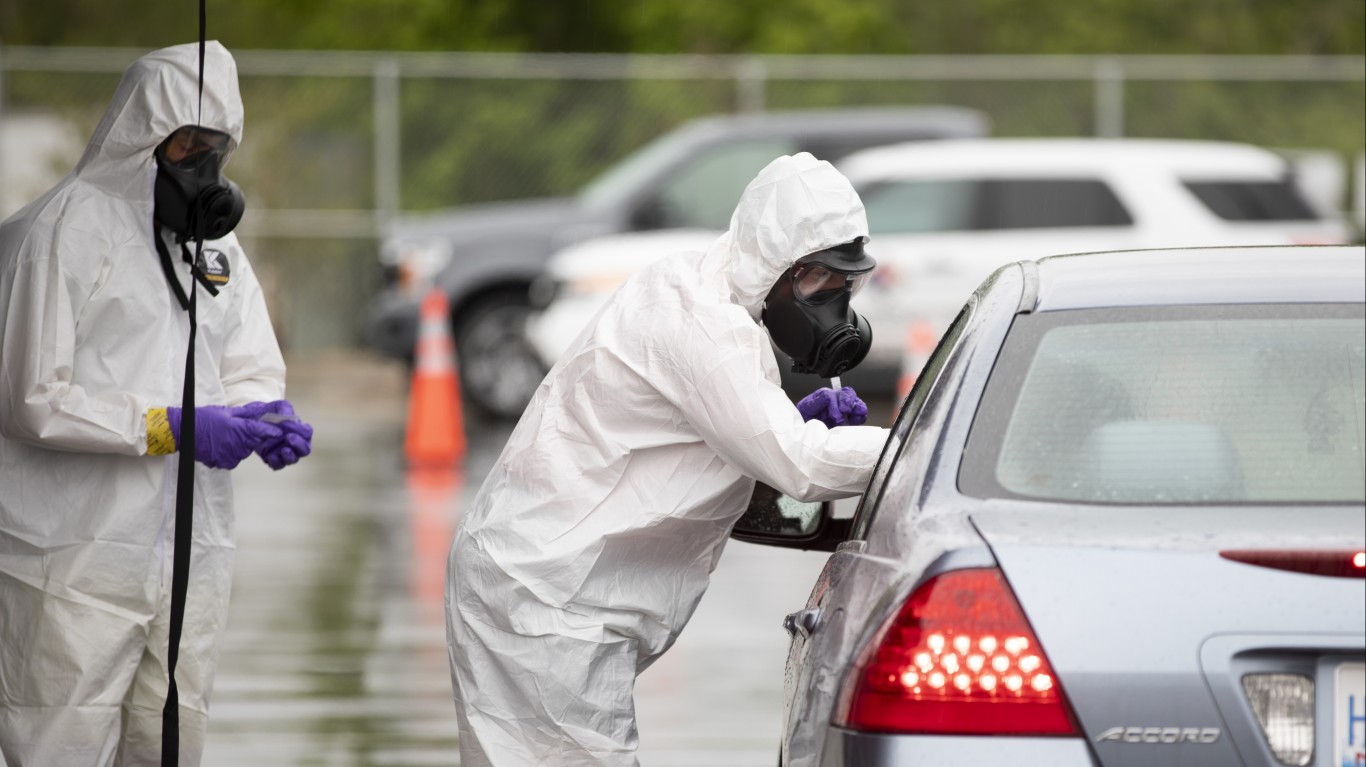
(943, 216)
(944, 220)
(486, 257)
(1118, 521)
(348, 134)
(577, 280)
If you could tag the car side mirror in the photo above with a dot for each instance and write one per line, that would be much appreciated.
(774, 519)
(650, 214)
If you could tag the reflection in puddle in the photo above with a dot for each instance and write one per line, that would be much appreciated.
(336, 647)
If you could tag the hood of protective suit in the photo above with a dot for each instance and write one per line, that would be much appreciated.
(158, 94)
(796, 205)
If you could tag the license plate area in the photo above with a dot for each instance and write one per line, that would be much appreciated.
(1346, 689)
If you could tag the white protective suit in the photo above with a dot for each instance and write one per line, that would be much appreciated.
(594, 536)
(91, 336)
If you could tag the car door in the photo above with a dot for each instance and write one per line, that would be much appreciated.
(820, 614)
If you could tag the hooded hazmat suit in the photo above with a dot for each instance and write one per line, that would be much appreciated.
(91, 337)
(593, 537)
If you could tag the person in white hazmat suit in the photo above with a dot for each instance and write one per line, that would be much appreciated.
(593, 537)
(93, 343)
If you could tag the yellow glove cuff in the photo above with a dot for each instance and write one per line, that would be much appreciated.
(160, 441)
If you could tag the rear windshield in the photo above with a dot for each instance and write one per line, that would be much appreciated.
(1259, 404)
(1253, 200)
(961, 205)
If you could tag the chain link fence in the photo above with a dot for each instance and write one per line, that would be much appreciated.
(337, 143)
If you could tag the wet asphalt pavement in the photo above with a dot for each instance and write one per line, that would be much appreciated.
(335, 652)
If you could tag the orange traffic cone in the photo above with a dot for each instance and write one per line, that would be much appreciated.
(921, 338)
(436, 429)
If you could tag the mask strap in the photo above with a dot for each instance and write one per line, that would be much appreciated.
(193, 261)
(168, 269)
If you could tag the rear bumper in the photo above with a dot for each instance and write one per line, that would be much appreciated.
(845, 748)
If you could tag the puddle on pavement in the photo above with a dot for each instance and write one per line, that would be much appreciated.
(335, 652)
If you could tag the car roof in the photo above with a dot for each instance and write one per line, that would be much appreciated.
(625, 251)
(927, 120)
(1246, 275)
(1055, 156)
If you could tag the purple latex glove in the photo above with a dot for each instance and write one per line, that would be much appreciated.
(834, 408)
(296, 438)
(223, 435)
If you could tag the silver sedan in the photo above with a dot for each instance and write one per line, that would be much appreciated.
(1120, 521)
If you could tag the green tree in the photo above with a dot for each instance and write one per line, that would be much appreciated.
(710, 26)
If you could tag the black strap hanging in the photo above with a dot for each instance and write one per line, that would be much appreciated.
(168, 268)
(184, 500)
(180, 559)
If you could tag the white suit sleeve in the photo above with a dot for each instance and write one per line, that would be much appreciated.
(252, 368)
(750, 422)
(38, 402)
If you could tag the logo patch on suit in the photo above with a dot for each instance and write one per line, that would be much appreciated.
(214, 265)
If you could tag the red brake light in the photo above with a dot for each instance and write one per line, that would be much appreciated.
(1341, 563)
(959, 658)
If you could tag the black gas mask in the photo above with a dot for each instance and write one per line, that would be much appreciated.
(192, 196)
(808, 315)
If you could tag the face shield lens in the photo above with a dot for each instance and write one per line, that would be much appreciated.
(815, 284)
(188, 145)
(857, 281)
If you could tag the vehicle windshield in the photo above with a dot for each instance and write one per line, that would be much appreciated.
(623, 178)
(1211, 404)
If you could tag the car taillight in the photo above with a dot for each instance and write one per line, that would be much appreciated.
(958, 658)
(1341, 563)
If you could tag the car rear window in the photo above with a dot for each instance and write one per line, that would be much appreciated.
(1244, 404)
(957, 205)
(1050, 202)
(1253, 200)
(920, 206)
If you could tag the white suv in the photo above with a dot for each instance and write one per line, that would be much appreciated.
(944, 216)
